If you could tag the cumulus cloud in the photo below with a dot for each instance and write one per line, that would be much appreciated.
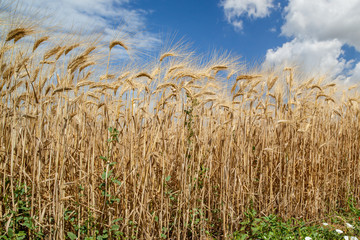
(321, 57)
(318, 30)
(354, 75)
(324, 20)
(236, 9)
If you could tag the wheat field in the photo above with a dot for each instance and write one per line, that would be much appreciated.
(179, 148)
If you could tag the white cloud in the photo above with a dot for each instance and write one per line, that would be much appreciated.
(238, 24)
(318, 30)
(354, 75)
(236, 9)
(108, 17)
(324, 20)
(320, 57)
(273, 30)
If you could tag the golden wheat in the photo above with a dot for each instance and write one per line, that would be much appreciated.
(173, 149)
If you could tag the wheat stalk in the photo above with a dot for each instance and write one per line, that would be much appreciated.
(18, 33)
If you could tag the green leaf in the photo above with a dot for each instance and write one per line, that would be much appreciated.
(100, 237)
(243, 237)
(10, 233)
(116, 220)
(104, 176)
(71, 235)
(115, 227)
(21, 235)
(167, 178)
(255, 230)
(115, 200)
(118, 233)
(103, 158)
(27, 223)
(116, 181)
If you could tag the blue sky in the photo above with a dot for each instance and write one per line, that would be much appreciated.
(204, 23)
(321, 36)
